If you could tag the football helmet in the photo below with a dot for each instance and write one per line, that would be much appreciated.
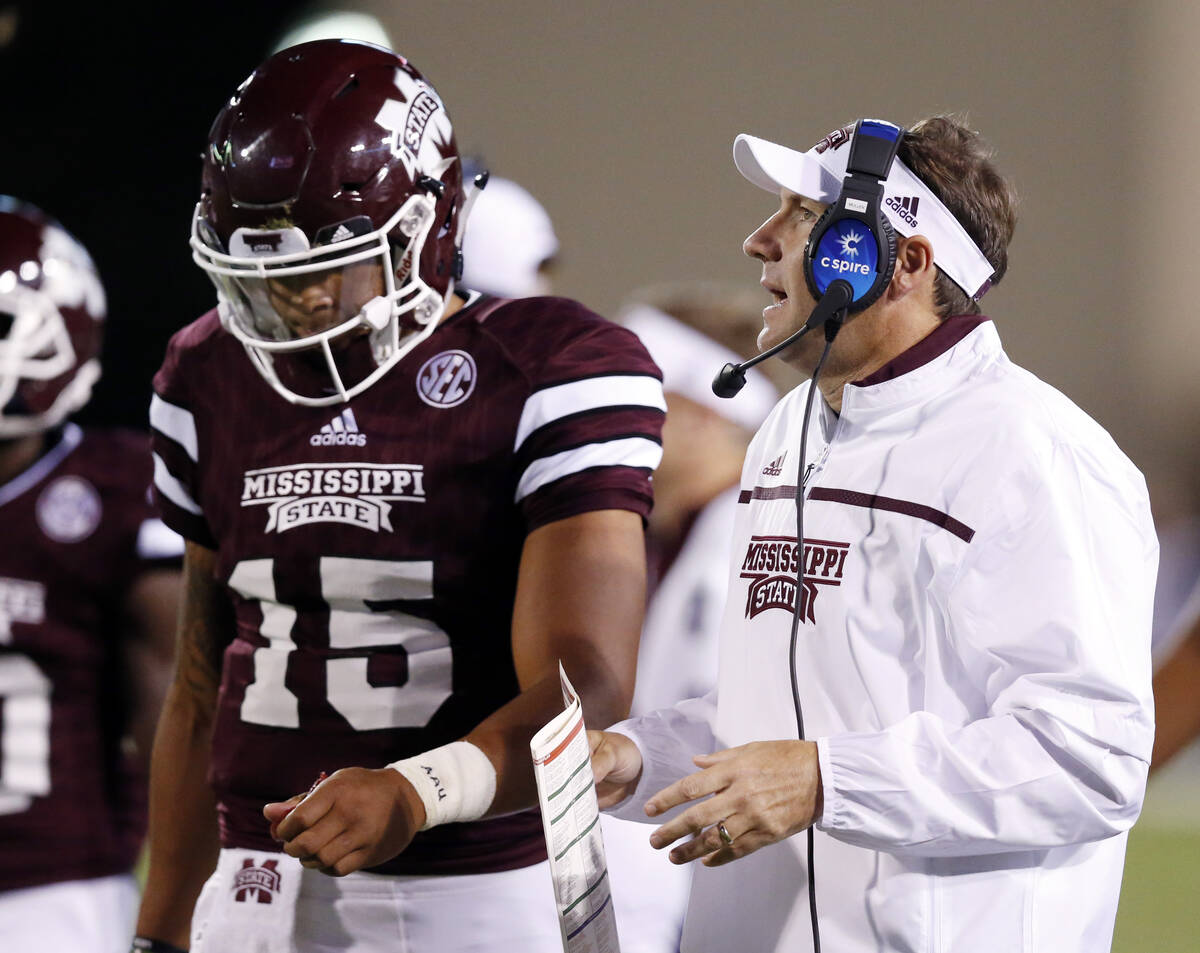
(52, 310)
(331, 216)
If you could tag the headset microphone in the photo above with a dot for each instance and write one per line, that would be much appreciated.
(732, 377)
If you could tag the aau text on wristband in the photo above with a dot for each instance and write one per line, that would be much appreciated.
(456, 782)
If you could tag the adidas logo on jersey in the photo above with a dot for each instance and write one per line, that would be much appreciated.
(342, 431)
(775, 467)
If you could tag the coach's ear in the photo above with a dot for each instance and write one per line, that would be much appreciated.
(915, 270)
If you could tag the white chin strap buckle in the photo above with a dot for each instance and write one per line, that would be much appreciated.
(224, 313)
(377, 313)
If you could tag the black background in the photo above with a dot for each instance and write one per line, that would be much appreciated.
(105, 115)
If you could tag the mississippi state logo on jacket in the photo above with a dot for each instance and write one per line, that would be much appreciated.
(770, 567)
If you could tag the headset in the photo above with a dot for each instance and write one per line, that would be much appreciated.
(851, 250)
(848, 262)
(853, 241)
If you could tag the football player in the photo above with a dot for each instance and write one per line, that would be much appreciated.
(405, 504)
(88, 591)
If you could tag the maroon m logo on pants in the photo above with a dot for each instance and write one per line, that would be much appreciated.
(256, 883)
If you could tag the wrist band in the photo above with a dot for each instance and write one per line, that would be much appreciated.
(456, 782)
(145, 944)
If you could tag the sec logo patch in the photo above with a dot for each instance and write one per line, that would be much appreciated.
(446, 379)
(69, 509)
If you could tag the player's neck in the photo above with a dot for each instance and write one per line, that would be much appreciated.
(19, 454)
(454, 303)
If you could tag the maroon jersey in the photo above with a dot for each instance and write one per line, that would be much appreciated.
(78, 528)
(371, 549)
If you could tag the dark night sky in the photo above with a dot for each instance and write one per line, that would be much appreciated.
(105, 114)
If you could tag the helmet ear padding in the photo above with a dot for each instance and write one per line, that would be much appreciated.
(853, 240)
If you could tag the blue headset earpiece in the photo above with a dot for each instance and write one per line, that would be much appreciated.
(853, 240)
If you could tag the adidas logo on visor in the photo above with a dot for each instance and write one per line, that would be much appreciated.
(342, 431)
(905, 208)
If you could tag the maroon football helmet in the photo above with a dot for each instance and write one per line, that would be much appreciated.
(52, 312)
(332, 173)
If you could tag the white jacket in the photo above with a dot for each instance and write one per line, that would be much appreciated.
(974, 664)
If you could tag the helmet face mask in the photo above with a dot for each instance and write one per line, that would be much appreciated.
(331, 209)
(52, 309)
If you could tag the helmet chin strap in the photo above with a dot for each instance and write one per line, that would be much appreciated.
(377, 313)
(478, 185)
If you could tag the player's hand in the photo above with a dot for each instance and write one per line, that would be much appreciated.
(762, 792)
(356, 818)
(277, 811)
(616, 766)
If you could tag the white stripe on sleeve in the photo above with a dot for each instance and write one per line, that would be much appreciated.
(156, 540)
(627, 452)
(553, 403)
(174, 422)
(172, 489)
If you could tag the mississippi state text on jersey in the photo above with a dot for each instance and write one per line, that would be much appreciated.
(78, 529)
(371, 548)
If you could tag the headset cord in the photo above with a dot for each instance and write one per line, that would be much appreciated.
(832, 326)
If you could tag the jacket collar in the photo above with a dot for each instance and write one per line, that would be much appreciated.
(936, 343)
(947, 355)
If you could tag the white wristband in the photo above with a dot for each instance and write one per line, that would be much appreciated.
(456, 782)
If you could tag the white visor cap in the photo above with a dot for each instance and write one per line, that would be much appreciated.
(689, 359)
(908, 203)
(509, 236)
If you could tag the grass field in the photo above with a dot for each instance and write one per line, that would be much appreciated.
(1160, 895)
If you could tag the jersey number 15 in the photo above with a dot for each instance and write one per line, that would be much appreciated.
(357, 592)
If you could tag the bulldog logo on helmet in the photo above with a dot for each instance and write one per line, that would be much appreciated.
(408, 119)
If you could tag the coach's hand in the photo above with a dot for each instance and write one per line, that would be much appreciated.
(616, 766)
(761, 793)
(358, 817)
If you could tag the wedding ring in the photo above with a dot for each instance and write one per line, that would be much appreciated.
(726, 839)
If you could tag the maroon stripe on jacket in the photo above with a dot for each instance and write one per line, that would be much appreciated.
(767, 493)
(867, 500)
(905, 507)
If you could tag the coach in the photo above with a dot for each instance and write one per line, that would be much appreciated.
(972, 659)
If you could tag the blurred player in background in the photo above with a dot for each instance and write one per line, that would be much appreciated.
(687, 328)
(404, 505)
(511, 249)
(330, 21)
(88, 590)
(1176, 684)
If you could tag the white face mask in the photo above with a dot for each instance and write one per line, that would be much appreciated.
(278, 295)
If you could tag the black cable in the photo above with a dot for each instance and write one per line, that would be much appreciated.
(832, 326)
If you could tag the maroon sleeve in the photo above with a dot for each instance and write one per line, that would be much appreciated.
(175, 435)
(590, 433)
(148, 544)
